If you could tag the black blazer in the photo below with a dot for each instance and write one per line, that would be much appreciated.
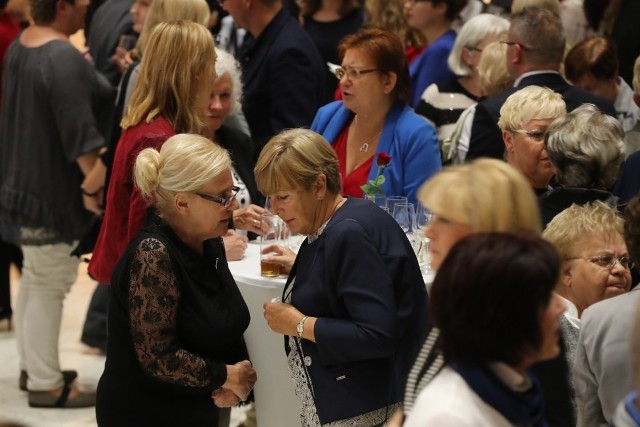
(283, 78)
(486, 138)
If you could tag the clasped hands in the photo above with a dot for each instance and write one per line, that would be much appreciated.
(241, 378)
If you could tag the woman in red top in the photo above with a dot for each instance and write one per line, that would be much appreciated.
(171, 96)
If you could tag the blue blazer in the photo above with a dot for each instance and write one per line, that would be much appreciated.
(283, 78)
(362, 281)
(486, 138)
(407, 137)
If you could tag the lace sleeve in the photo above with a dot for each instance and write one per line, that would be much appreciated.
(153, 302)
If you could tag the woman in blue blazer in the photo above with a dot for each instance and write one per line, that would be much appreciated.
(373, 117)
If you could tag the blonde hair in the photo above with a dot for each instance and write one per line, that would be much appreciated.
(530, 103)
(636, 77)
(178, 63)
(552, 5)
(488, 195)
(171, 10)
(493, 74)
(295, 158)
(569, 227)
(389, 15)
(184, 164)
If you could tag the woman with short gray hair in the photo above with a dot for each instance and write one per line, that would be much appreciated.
(586, 148)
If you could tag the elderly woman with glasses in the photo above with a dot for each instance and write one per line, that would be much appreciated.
(175, 352)
(596, 263)
(524, 119)
(373, 118)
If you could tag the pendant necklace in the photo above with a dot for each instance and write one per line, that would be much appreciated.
(365, 146)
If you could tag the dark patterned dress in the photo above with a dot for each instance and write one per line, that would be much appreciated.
(176, 318)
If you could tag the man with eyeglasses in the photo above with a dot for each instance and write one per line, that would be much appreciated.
(535, 48)
(282, 69)
(603, 372)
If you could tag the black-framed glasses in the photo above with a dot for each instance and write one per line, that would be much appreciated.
(351, 73)
(608, 261)
(224, 201)
(536, 135)
(522, 46)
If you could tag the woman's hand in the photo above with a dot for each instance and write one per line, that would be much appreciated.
(280, 255)
(224, 398)
(234, 245)
(283, 318)
(240, 380)
(248, 218)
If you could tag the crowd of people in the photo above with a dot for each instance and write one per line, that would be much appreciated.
(160, 159)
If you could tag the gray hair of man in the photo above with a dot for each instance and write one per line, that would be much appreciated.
(473, 32)
(586, 147)
(227, 64)
(540, 33)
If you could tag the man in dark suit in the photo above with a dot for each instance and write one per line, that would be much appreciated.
(110, 21)
(535, 47)
(282, 68)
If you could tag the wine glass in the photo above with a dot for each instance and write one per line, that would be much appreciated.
(404, 214)
(393, 200)
(423, 219)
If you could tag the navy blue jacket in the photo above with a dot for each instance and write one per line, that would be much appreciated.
(362, 281)
(283, 78)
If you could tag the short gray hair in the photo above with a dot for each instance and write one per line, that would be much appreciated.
(227, 64)
(586, 147)
(540, 32)
(473, 32)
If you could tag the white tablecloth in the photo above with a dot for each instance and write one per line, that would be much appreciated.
(276, 403)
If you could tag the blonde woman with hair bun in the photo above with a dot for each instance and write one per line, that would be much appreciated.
(176, 355)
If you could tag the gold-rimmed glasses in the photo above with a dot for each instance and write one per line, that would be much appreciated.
(608, 261)
(352, 73)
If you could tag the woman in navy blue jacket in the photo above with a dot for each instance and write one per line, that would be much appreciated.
(354, 310)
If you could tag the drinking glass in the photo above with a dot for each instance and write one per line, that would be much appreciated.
(393, 200)
(423, 219)
(378, 199)
(270, 225)
(404, 214)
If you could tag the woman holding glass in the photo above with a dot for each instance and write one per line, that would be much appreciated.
(374, 118)
(353, 320)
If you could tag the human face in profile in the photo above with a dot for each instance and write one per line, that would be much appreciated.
(443, 233)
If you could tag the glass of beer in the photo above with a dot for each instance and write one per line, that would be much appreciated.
(271, 236)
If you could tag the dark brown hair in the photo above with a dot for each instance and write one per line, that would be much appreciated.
(386, 51)
(490, 310)
(597, 56)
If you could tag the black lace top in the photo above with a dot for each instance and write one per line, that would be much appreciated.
(176, 318)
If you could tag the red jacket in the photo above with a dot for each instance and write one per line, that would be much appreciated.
(125, 206)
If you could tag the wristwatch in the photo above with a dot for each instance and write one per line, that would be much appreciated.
(300, 327)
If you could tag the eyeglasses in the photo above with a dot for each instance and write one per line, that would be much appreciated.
(351, 73)
(537, 135)
(412, 2)
(608, 261)
(523, 47)
(224, 201)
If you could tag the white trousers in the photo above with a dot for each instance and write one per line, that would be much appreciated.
(47, 275)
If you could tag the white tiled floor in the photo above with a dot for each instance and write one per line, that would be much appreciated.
(73, 355)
